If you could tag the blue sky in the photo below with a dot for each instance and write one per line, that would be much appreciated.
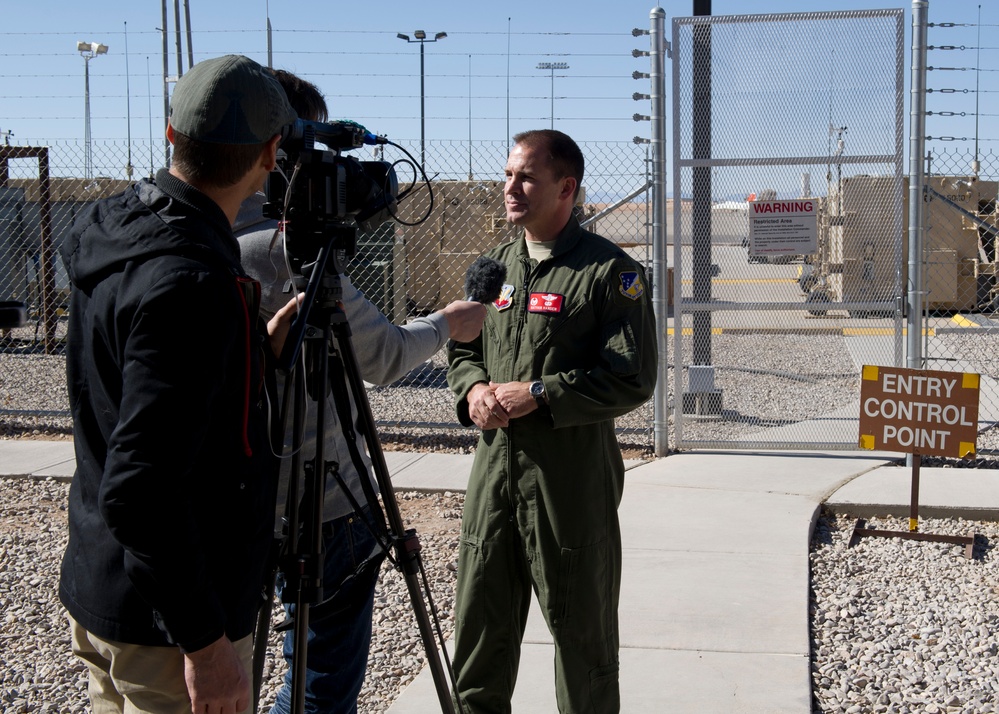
(481, 80)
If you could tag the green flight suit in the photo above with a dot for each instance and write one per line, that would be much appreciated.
(541, 508)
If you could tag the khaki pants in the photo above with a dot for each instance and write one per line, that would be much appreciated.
(134, 679)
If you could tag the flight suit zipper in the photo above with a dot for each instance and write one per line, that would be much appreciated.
(521, 326)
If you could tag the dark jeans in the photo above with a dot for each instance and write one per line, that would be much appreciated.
(338, 643)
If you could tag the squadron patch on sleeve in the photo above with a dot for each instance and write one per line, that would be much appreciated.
(631, 284)
(505, 300)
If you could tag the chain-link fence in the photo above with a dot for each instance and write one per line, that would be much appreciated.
(407, 268)
(960, 262)
(796, 363)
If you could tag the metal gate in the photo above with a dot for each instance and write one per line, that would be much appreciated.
(767, 109)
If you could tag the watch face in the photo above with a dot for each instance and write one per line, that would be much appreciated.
(537, 389)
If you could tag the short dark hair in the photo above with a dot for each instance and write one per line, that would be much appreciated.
(304, 97)
(564, 154)
(211, 164)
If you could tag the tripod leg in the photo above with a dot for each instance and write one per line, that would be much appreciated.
(305, 566)
(260, 638)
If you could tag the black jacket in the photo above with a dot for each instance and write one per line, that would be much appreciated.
(171, 507)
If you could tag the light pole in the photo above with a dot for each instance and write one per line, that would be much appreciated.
(88, 50)
(470, 117)
(421, 37)
(552, 66)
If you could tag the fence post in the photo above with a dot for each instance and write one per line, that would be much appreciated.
(660, 269)
(46, 273)
(46, 253)
(917, 142)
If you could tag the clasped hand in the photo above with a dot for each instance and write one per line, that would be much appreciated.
(493, 405)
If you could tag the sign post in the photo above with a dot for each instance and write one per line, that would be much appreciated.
(919, 412)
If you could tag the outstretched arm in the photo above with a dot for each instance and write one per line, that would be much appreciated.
(385, 352)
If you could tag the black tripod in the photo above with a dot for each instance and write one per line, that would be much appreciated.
(320, 321)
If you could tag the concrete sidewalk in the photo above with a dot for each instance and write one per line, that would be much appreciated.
(714, 602)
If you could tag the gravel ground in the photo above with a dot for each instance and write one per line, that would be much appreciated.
(904, 626)
(38, 673)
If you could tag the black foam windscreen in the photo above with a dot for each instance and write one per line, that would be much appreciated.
(484, 279)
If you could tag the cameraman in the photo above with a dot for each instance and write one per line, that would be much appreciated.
(338, 644)
(171, 502)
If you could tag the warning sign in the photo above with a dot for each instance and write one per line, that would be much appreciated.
(783, 227)
(916, 411)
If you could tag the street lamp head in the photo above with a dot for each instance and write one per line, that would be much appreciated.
(94, 48)
(421, 36)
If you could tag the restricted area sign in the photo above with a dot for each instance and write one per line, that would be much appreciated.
(917, 411)
(783, 227)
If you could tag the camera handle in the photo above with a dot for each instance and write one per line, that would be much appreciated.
(303, 548)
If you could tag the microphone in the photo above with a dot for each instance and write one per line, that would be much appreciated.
(484, 280)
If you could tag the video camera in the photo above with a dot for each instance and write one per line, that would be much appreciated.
(321, 194)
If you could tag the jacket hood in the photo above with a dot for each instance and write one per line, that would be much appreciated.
(138, 224)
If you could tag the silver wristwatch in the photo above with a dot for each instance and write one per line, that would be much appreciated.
(538, 392)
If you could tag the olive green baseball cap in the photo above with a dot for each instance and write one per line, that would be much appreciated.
(230, 100)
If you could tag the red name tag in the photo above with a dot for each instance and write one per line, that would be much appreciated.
(545, 302)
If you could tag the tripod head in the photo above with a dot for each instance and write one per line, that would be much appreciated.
(320, 280)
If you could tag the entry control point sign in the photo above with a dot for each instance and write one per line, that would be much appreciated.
(783, 227)
(915, 411)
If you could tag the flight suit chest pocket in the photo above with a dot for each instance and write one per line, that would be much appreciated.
(573, 324)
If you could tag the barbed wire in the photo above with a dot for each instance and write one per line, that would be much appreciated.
(956, 138)
(949, 25)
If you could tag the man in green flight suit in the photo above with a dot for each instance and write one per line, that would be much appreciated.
(569, 345)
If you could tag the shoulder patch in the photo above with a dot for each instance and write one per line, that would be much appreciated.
(631, 284)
